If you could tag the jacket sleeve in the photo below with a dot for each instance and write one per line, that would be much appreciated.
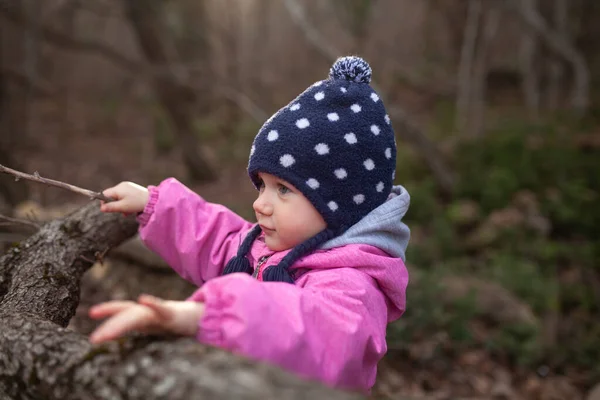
(195, 237)
(332, 328)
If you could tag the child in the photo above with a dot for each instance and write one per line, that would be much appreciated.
(311, 286)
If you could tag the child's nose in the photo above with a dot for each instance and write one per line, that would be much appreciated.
(262, 206)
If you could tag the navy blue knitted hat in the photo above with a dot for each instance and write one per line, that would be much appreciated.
(334, 143)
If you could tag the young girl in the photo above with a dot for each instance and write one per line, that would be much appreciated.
(312, 285)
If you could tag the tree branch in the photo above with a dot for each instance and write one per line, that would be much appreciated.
(14, 221)
(68, 367)
(37, 178)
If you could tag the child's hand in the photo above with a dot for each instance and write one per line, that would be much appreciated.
(149, 315)
(130, 198)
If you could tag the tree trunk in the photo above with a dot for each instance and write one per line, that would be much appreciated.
(173, 90)
(464, 101)
(556, 65)
(476, 126)
(11, 120)
(530, 78)
(561, 46)
(40, 359)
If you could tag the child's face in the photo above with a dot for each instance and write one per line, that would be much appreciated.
(286, 217)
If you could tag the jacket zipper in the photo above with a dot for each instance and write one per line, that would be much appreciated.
(261, 261)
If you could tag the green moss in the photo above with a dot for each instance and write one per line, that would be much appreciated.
(95, 352)
(71, 228)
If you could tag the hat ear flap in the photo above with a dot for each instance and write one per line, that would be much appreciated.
(239, 262)
(280, 272)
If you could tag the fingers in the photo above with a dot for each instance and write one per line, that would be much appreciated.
(129, 198)
(122, 206)
(116, 193)
(112, 192)
(109, 308)
(136, 318)
(150, 314)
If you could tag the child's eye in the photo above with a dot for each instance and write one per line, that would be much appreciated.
(261, 185)
(283, 189)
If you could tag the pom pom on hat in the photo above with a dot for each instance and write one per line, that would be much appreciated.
(351, 68)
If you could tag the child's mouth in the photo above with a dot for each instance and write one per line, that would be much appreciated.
(266, 230)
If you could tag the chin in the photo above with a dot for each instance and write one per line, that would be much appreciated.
(275, 246)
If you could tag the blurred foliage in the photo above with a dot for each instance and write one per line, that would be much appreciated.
(524, 216)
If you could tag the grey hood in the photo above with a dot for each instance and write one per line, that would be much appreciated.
(382, 228)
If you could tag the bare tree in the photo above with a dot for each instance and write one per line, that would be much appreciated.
(528, 55)
(13, 83)
(561, 46)
(480, 72)
(556, 65)
(465, 69)
(10, 11)
(172, 87)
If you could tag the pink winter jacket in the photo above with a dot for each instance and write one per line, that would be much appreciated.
(329, 326)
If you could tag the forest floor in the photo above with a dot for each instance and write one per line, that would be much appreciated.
(101, 158)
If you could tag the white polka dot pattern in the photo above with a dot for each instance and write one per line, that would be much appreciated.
(322, 149)
(313, 183)
(340, 173)
(350, 138)
(302, 123)
(287, 160)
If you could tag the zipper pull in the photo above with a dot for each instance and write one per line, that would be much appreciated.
(261, 261)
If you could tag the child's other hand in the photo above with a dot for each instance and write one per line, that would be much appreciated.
(130, 198)
(149, 315)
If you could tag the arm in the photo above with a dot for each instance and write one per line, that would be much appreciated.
(195, 237)
(332, 328)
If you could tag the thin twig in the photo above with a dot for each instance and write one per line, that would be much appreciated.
(37, 178)
(14, 221)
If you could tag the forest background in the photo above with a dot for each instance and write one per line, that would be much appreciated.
(496, 109)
